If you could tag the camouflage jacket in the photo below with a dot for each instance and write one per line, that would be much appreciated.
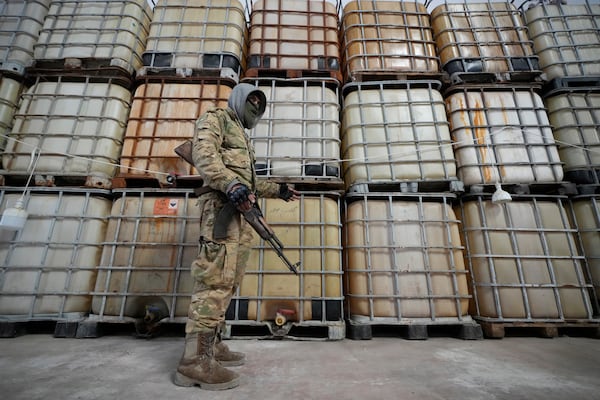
(223, 154)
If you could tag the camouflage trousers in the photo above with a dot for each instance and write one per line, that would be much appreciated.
(219, 267)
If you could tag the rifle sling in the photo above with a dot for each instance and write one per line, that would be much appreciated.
(199, 191)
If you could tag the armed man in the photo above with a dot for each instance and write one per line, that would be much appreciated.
(222, 153)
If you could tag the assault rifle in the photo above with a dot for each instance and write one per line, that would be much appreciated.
(254, 216)
(256, 219)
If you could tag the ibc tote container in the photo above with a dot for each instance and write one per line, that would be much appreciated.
(270, 295)
(48, 269)
(502, 134)
(523, 260)
(566, 37)
(386, 38)
(395, 131)
(294, 35)
(152, 239)
(197, 34)
(77, 125)
(112, 33)
(10, 92)
(575, 118)
(150, 243)
(480, 39)
(163, 115)
(403, 259)
(298, 137)
(586, 212)
(20, 24)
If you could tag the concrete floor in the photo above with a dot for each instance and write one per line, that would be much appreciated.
(40, 366)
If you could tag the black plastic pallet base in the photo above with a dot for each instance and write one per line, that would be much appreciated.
(557, 188)
(522, 69)
(60, 329)
(319, 332)
(513, 77)
(417, 331)
(588, 189)
(88, 329)
(66, 329)
(310, 171)
(452, 186)
(209, 60)
(154, 74)
(589, 176)
(315, 330)
(568, 84)
(9, 329)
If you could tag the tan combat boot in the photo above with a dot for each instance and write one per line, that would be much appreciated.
(226, 357)
(198, 366)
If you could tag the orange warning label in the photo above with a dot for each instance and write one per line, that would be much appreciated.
(165, 206)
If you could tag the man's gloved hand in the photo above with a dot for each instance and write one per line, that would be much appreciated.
(287, 192)
(239, 195)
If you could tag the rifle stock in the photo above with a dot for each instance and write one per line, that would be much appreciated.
(184, 150)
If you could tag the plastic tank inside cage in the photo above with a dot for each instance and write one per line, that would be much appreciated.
(294, 35)
(10, 92)
(111, 32)
(20, 24)
(387, 37)
(48, 269)
(403, 258)
(199, 35)
(163, 115)
(575, 119)
(566, 37)
(524, 261)
(502, 134)
(488, 37)
(150, 243)
(310, 231)
(298, 136)
(586, 210)
(78, 125)
(395, 132)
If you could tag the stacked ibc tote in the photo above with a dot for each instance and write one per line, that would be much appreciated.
(403, 257)
(76, 62)
(523, 249)
(406, 125)
(294, 58)
(567, 39)
(193, 57)
(196, 52)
